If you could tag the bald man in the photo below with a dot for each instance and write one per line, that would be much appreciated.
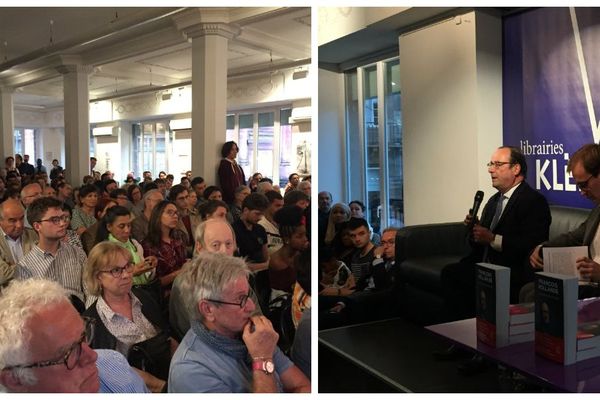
(215, 236)
(15, 239)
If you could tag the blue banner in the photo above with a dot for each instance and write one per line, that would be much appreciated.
(551, 93)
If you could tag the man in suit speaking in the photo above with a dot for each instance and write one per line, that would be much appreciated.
(514, 220)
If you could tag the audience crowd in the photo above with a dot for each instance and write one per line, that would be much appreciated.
(153, 285)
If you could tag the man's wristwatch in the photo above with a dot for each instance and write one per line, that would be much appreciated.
(266, 366)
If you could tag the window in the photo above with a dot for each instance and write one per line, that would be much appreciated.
(268, 145)
(24, 143)
(152, 144)
(374, 142)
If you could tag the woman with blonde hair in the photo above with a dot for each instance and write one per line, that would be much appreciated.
(127, 320)
(339, 213)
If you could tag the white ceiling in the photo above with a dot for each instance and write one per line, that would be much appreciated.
(132, 49)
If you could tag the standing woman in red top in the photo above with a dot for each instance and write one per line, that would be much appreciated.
(231, 174)
(166, 243)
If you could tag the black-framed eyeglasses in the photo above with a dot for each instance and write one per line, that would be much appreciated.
(241, 304)
(583, 185)
(497, 164)
(72, 355)
(117, 272)
(57, 220)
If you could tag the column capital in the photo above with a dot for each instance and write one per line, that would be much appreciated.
(69, 68)
(7, 90)
(203, 22)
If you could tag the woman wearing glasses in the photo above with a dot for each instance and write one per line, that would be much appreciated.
(166, 243)
(115, 227)
(127, 320)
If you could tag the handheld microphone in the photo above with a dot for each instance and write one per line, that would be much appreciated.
(476, 204)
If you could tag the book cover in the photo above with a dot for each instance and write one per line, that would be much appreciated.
(492, 288)
(556, 317)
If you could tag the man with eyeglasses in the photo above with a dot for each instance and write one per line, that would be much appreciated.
(52, 258)
(44, 346)
(584, 165)
(514, 220)
(15, 239)
(228, 349)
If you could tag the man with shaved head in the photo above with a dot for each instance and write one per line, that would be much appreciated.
(15, 239)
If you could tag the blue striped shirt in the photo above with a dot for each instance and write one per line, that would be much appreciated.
(116, 376)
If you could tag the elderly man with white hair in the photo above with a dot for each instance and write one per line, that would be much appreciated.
(228, 349)
(44, 346)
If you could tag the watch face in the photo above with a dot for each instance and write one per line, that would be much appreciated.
(269, 367)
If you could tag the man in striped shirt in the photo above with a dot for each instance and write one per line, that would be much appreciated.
(52, 258)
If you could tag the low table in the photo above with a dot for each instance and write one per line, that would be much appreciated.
(398, 354)
(580, 377)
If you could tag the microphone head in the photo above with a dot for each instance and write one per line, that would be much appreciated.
(479, 196)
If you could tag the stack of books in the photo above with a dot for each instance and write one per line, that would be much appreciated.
(521, 323)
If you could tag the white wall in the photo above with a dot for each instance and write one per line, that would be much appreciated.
(331, 134)
(452, 108)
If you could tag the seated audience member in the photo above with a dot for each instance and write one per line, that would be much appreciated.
(15, 239)
(339, 213)
(296, 198)
(49, 191)
(65, 194)
(71, 237)
(253, 181)
(274, 241)
(363, 256)
(52, 258)
(161, 185)
(215, 236)
(120, 195)
(192, 200)
(134, 194)
(293, 181)
(178, 195)
(108, 185)
(305, 187)
(127, 319)
(336, 277)
(139, 226)
(115, 227)
(213, 356)
(301, 298)
(88, 238)
(213, 209)
(44, 346)
(292, 227)
(324, 207)
(584, 164)
(213, 193)
(251, 237)
(84, 214)
(342, 245)
(199, 185)
(264, 185)
(29, 193)
(185, 181)
(357, 210)
(240, 193)
(166, 243)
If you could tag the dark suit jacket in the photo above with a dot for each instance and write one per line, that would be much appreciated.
(582, 236)
(524, 224)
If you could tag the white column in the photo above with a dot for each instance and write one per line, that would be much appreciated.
(77, 125)
(209, 103)
(7, 122)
